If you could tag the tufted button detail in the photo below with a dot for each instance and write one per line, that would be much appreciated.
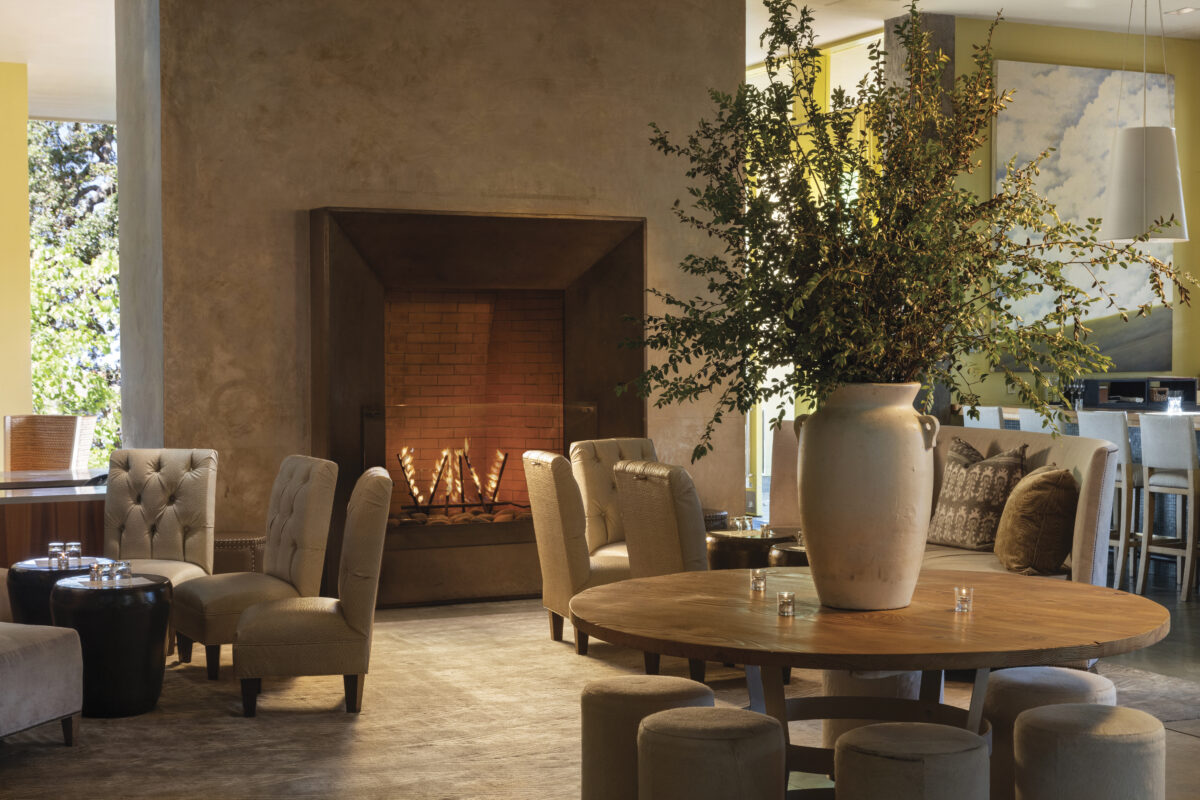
(120, 529)
(153, 529)
(186, 530)
(138, 499)
(171, 500)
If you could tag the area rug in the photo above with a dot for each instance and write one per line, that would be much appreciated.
(469, 701)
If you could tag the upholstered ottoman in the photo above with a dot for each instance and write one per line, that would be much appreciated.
(1085, 751)
(911, 761)
(41, 678)
(612, 709)
(1012, 691)
(710, 754)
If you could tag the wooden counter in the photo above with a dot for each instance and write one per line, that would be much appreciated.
(32, 518)
(50, 478)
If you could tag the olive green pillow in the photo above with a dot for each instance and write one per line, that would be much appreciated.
(1038, 525)
(973, 493)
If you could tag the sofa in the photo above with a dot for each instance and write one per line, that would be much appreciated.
(1093, 462)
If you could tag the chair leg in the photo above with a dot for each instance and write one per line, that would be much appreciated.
(697, 667)
(354, 692)
(170, 638)
(556, 626)
(581, 642)
(212, 660)
(70, 729)
(250, 689)
(1189, 570)
(651, 661)
(184, 645)
(1147, 535)
(1125, 495)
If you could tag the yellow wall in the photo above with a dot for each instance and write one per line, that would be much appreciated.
(1053, 45)
(16, 396)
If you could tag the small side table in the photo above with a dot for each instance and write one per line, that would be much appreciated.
(122, 627)
(30, 582)
(787, 554)
(742, 549)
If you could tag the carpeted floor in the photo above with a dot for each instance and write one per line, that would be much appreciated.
(470, 701)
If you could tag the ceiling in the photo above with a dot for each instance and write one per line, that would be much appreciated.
(70, 45)
(839, 19)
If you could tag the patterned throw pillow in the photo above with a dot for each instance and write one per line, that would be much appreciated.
(974, 490)
(1038, 525)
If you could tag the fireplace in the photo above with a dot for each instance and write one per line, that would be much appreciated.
(445, 345)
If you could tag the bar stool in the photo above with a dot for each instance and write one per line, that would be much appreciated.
(1113, 426)
(710, 754)
(612, 709)
(989, 417)
(1093, 751)
(1170, 465)
(911, 761)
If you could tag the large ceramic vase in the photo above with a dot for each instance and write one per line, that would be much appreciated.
(866, 492)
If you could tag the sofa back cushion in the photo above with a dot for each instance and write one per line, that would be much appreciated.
(974, 490)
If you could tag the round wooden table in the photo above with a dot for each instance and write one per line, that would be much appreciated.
(1016, 621)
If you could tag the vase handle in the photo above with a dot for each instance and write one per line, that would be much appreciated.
(929, 427)
(798, 422)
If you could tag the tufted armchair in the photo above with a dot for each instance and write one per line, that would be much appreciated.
(323, 635)
(159, 510)
(664, 524)
(206, 610)
(558, 527)
(592, 463)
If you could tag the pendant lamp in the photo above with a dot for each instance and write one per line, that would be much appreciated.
(1145, 183)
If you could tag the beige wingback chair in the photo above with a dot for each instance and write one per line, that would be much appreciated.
(323, 635)
(592, 463)
(206, 609)
(664, 524)
(159, 509)
(558, 527)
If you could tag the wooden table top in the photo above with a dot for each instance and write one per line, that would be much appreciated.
(1016, 621)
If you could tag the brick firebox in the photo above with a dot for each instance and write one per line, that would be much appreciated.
(481, 366)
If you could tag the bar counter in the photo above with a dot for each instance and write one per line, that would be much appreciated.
(32, 518)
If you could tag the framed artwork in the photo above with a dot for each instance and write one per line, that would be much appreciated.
(1075, 111)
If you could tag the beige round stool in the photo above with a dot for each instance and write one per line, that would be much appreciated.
(612, 709)
(1011, 691)
(710, 754)
(1087, 751)
(911, 761)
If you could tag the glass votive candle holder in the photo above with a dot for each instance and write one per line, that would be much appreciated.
(964, 597)
(75, 550)
(787, 604)
(56, 550)
(96, 572)
(122, 570)
(758, 580)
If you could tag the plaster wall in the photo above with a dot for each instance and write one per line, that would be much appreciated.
(271, 108)
(16, 394)
(140, 176)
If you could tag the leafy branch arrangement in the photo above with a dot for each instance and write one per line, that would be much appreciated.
(851, 254)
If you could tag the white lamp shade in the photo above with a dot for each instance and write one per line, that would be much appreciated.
(1145, 186)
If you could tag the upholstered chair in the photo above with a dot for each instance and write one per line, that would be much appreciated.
(989, 417)
(1170, 465)
(558, 527)
(159, 509)
(1113, 426)
(592, 463)
(785, 486)
(41, 678)
(663, 521)
(206, 609)
(47, 441)
(323, 635)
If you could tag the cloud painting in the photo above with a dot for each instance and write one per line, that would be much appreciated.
(1075, 111)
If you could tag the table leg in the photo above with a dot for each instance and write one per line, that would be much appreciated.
(774, 703)
(754, 688)
(978, 692)
(931, 686)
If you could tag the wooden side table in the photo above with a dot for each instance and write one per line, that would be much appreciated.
(742, 549)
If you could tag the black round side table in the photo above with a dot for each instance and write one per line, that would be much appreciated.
(742, 549)
(788, 554)
(30, 582)
(122, 627)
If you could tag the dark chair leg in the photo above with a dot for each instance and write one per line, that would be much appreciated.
(70, 728)
(581, 640)
(250, 689)
(184, 645)
(555, 626)
(354, 692)
(212, 660)
(170, 638)
(651, 660)
(697, 668)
